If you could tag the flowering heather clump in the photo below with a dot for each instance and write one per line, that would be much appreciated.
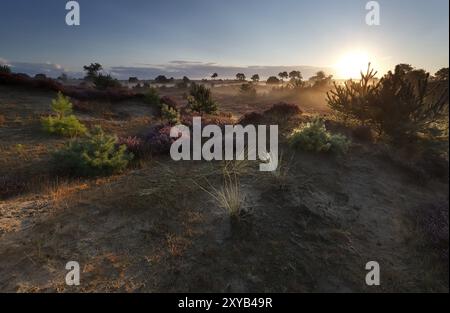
(282, 109)
(171, 102)
(252, 118)
(134, 145)
(157, 139)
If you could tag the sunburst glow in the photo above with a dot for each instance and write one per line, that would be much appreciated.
(351, 64)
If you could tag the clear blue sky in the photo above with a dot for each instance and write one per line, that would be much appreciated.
(135, 36)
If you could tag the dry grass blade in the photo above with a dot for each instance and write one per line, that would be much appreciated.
(229, 197)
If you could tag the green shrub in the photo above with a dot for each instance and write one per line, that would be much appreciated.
(67, 126)
(400, 105)
(339, 144)
(97, 154)
(170, 114)
(5, 69)
(200, 99)
(152, 97)
(315, 137)
(64, 122)
(103, 82)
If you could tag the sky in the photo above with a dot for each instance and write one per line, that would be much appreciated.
(199, 37)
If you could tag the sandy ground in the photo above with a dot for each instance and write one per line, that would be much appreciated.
(154, 229)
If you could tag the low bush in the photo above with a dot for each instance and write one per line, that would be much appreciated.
(157, 139)
(283, 110)
(98, 154)
(200, 99)
(134, 145)
(170, 114)
(103, 82)
(315, 137)
(252, 118)
(152, 97)
(401, 105)
(68, 126)
(63, 122)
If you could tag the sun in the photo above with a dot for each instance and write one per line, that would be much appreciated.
(351, 64)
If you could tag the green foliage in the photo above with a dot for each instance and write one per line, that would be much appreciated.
(283, 75)
(315, 137)
(97, 154)
(68, 126)
(64, 122)
(401, 105)
(441, 75)
(152, 97)
(200, 99)
(162, 79)
(5, 69)
(255, 78)
(272, 80)
(339, 144)
(103, 82)
(170, 114)
(61, 105)
(351, 101)
(320, 79)
(240, 76)
(92, 70)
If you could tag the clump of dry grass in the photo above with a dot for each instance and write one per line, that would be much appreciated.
(229, 197)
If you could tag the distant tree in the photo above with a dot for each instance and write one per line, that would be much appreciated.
(5, 69)
(321, 79)
(161, 79)
(186, 79)
(442, 74)
(240, 76)
(92, 70)
(103, 82)
(272, 80)
(283, 75)
(214, 76)
(133, 80)
(295, 75)
(255, 78)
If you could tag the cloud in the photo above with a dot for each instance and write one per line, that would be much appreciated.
(47, 68)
